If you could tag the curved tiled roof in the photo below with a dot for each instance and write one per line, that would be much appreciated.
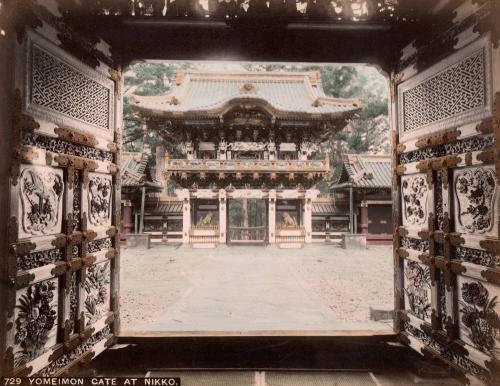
(366, 171)
(133, 170)
(205, 93)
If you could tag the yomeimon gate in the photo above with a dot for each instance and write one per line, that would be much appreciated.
(60, 114)
(247, 136)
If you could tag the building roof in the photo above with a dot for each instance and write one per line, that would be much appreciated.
(164, 207)
(133, 170)
(365, 171)
(209, 94)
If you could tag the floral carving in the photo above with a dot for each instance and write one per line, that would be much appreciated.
(41, 198)
(415, 193)
(417, 289)
(35, 320)
(480, 317)
(97, 291)
(475, 190)
(479, 257)
(39, 259)
(99, 200)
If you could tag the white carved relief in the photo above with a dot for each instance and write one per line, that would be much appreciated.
(99, 199)
(415, 195)
(417, 289)
(41, 190)
(479, 312)
(475, 193)
(97, 292)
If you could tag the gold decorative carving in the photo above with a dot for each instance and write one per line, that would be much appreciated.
(402, 231)
(438, 138)
(116, 75)
(112, 147)
(89, 235)
(248, 88)
(58, 351)
(110, 342)
(492, 275)
(400, 148)
(23, 247)
(22, 280)
(88, 260)
(492, 246)
(74, 264)
(487, 156)
(395, 80)
(74, 136)
(75, 162)
(112, 169)
(60, 241)
(59, 269)
(111, 253)
(400, 170)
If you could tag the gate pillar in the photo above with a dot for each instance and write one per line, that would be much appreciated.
(272, 216)
(186, 215)
(222, 216)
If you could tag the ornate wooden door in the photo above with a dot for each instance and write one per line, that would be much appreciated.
(446, 109)
(61, 300)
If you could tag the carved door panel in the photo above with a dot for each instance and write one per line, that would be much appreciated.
(62, 302)
(446, 197)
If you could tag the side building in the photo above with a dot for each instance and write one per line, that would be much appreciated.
(363, 192)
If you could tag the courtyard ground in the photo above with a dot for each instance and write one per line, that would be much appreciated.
(247, 289)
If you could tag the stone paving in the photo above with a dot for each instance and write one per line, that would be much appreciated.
(248, 289)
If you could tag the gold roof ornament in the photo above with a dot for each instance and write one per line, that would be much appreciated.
(248, 88)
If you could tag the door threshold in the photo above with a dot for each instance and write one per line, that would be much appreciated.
(389, 333)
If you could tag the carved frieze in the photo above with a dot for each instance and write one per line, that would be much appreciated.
(475, 192)
(35, 321)
(97, 292)
(99, 199)
(41, 196)
(478, 256)
(60, 146)
(456, 147)
(39, 259)
(99, 245)
(415, 195)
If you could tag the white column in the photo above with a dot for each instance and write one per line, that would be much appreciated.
(222, 216)
(310, 195)
(272, 216)
(308, 219)
(186, 215)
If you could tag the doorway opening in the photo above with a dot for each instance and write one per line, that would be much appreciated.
(247, 221)
(259, 217)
